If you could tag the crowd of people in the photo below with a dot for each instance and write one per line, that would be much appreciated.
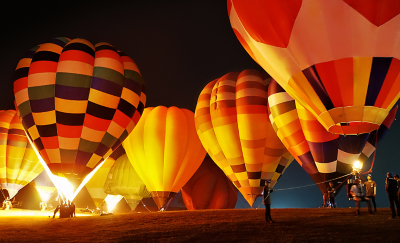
(66, 210)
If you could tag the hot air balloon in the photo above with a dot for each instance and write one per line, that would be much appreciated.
(233, 125)
(44, 186)
(209, 188)
(123, 180)
(165, 151)
(323, 155)
(339, 59)
(19, 164)
(77, 102)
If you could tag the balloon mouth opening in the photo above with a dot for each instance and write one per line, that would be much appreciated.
(112, 201)
(45, 196)
(353, 128)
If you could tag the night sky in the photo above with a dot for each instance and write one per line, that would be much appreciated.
(179, 47)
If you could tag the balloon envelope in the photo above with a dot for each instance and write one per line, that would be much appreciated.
(77, 102)
(123, 180)
(324, 156)
(233, 125)
(209, 188)
(340, 59)
(19, 164)
(164, 150)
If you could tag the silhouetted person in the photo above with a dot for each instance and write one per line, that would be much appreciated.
(357, 193)
(267, 201)
(57, 209)
(72, 209)
(326, 199)
(396, 177)
(370, 187)
(331, 194)
(391, 189)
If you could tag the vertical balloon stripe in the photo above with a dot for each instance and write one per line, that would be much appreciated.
(312, 76)
(380, 67)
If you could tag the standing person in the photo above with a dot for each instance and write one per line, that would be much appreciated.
(370, 187)
(57, 209)
(331, 194)
(325, 198)
(396, 177)
(391, 189)
(267, 201)
(72, 209)
(357, 193)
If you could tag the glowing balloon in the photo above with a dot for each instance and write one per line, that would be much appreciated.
(123, 180)
(165, 151)
(209, 188)
(340, 59)
(323, 155)
(77, 102)
(233, 125)
(19, 164)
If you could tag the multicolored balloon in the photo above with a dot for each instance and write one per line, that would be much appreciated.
(19, 164)
(340, 59)
(209, 188)
(323, 155)
(233, 125)
(123, 180)
(165, 151)
(77, 102)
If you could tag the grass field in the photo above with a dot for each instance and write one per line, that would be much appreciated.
(235, 225)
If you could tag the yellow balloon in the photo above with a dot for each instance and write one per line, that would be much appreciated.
(19, 164)
(165, 150)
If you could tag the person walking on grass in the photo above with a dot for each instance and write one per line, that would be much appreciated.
(391, 189)
(357, 193)
(370, 187)
(267, 200)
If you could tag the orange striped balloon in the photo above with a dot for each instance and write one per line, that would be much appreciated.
(78, 102)
(233, 125)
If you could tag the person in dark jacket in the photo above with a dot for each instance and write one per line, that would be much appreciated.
(396, 177)
(370, 187)
(72, 209)
(267, 201)
(331, 194)
(391, 189)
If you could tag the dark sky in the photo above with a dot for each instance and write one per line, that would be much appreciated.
(179, 47)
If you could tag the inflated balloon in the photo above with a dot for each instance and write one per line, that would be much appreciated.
(323, 155)
(77, 102)
(96, 184)
(123, 180)
(233, 125)
(19, 164)
(44, 186)
(165, 151)
(340, 59)
(209, 188)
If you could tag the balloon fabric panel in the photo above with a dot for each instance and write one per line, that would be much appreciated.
(77, 102)
(344, 70)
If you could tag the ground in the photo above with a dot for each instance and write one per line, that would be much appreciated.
(235, 225)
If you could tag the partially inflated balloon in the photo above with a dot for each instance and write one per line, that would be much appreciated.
(19, 164)
(340, 59)
(77, 102)
(164, 150)
(323, 155)
(96, 183)
(233, 125)
(209, 188)
(123, 180)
